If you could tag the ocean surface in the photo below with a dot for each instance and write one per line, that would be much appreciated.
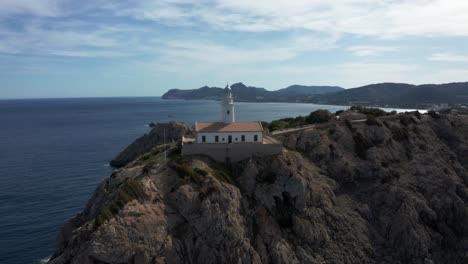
(54, 153)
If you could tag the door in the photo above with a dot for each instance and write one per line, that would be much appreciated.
(229, 139)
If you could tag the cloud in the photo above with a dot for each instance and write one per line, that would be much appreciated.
(74, 39)
(45, 8)
(448, 57)
(222, 54)
(363, 51)
(446, 76)
(388, 19)
(301, 21)
(252, 36)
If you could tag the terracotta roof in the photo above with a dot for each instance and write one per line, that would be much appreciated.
(233, 127)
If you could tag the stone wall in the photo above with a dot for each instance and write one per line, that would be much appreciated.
(232, 152)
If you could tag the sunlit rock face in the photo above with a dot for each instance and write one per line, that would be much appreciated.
(390, 192)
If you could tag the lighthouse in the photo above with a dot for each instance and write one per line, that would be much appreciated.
(227, 106)
(227, 140)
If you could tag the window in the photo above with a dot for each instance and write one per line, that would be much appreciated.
(223, 139)
(228, 112)
(256, 138)
(243, 138)
(216, 138)
(236, 139)
(203, 138)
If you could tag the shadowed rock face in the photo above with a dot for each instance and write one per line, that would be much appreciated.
(401, 197)
(173, 131)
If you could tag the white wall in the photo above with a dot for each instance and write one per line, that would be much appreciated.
(249, 137)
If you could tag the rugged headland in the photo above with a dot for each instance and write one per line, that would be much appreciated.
(392, 189)
(381, 94)
(245, 93)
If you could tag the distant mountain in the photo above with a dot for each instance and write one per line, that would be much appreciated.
(204, 92)
(241, 92)
(303, 89)
(398, 94)
(382, 94)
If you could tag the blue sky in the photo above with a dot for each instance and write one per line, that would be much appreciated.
(87, 48)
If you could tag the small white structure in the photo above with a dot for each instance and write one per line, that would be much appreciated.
(227, 106)
(229, 140)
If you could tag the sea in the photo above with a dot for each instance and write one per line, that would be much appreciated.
(54, 153)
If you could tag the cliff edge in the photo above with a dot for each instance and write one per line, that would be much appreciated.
(160, 133)
(389, 190)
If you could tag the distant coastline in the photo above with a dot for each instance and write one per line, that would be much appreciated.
(383, 95)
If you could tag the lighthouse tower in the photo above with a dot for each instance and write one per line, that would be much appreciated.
(227, 106)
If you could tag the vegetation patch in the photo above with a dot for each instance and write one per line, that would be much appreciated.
(316, 117)
(406, 120)
(129, 190)
(156, 155)
(183, 168)
(433, 114)
(361, 145)
(399, 133)
(373, 121)
(200, 171)
(371, 111)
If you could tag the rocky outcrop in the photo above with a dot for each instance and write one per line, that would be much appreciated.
(407, 177)
(387, 191)
(173, 131)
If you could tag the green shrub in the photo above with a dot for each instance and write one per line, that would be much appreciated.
(369, 111)
(433, 114)
(361, 145)
(200, 171)
(399, 133)
(418, 115)
(182, 169)
(277, 125)
(127, 192)
(406, 120)
(319, 116)
(373, 121)
(221, 176)
(134, 190)
(104, 215)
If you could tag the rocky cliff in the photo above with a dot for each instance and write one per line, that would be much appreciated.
(160, 133)
(390, 190)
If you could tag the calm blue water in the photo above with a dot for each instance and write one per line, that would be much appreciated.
(54, 153)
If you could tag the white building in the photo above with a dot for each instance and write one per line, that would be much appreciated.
(228, 131)
(237, 132)
(227, 140)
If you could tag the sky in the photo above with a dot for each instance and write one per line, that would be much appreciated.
(95, 48)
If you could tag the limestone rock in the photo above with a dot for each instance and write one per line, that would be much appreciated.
(404, 201)
(172, 130)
